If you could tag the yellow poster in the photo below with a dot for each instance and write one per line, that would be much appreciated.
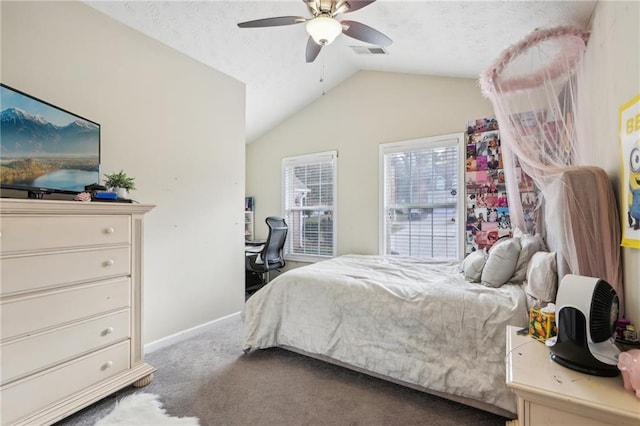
(630, 178)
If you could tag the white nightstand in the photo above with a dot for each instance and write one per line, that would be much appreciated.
(550, 394)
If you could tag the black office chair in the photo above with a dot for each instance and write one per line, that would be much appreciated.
(272, 254)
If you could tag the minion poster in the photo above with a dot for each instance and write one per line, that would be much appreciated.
(630, 178)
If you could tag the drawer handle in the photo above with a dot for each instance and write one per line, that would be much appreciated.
(107, 331)
(107, 365)
(109, 262)
(109, 230)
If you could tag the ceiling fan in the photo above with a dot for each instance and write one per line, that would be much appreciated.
(323, 27)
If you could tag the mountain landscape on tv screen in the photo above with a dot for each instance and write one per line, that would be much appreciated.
(24, 134)
(37, 153)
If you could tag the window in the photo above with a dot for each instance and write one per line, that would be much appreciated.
(309, 194)
(421, 195)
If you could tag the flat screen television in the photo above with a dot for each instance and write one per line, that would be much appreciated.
(45, 149)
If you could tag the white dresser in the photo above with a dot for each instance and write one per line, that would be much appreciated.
(550, 394)
(70, 306)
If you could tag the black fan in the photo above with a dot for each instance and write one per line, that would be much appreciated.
(323, 27)
(586, 315)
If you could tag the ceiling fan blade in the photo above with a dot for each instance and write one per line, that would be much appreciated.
(356, 4)
(365, 33)
(313, 49)
(312, 6)
(272, 22)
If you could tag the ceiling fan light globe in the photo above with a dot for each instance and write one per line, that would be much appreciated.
(323, 29)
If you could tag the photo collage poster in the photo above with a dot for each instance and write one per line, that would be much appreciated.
(487, 204)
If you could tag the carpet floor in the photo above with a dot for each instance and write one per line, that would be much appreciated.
(209, 377)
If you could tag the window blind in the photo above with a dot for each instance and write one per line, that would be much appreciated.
(309, 194)
(421, 196)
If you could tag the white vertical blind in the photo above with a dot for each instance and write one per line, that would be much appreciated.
(309, 194)
(421, 186)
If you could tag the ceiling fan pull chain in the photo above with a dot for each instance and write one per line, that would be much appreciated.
(322, 77)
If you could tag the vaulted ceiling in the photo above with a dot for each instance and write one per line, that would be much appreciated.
(446, 38)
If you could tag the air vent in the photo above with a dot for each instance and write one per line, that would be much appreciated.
(604, 312)
(365, 50)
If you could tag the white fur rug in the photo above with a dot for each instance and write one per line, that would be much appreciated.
(143, 409)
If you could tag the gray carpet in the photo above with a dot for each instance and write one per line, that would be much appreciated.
(209, 377)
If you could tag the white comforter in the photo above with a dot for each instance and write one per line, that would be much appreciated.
(414, 321)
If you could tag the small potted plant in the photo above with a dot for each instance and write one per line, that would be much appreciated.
(120, 183)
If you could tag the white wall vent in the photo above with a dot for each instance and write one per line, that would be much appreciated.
(366, 50)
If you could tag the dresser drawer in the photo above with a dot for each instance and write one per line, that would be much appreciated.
(31, 233)
(39, 351)
(28, 395)
(22, 273)
(21, 315)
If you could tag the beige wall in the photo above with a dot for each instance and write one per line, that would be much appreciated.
(170, 121)
(612, 64)
(354, 118)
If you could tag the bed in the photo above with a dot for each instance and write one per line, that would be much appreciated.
(418, 323)
(435, 326)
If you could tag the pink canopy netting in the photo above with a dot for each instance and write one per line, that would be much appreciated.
(533, 86)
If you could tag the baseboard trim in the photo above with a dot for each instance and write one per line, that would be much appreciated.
(183, 335)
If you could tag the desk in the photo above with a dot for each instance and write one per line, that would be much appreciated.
(255, 242)
(550, 394)
(250, 250)
(253, 280)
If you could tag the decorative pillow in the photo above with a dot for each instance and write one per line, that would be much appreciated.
(501, 262)
(473, 264)
(529, 245)
(517, 232)
(542, 277)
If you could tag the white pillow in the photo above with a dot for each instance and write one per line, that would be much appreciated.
(529, 245)
(542, 277)
(501, 262)
(517, 232)
(473, 264)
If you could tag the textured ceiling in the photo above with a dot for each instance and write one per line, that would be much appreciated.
(448, 38)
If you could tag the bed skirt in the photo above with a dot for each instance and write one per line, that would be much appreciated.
(456, 398)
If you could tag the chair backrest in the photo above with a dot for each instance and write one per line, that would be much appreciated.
(273, 252)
